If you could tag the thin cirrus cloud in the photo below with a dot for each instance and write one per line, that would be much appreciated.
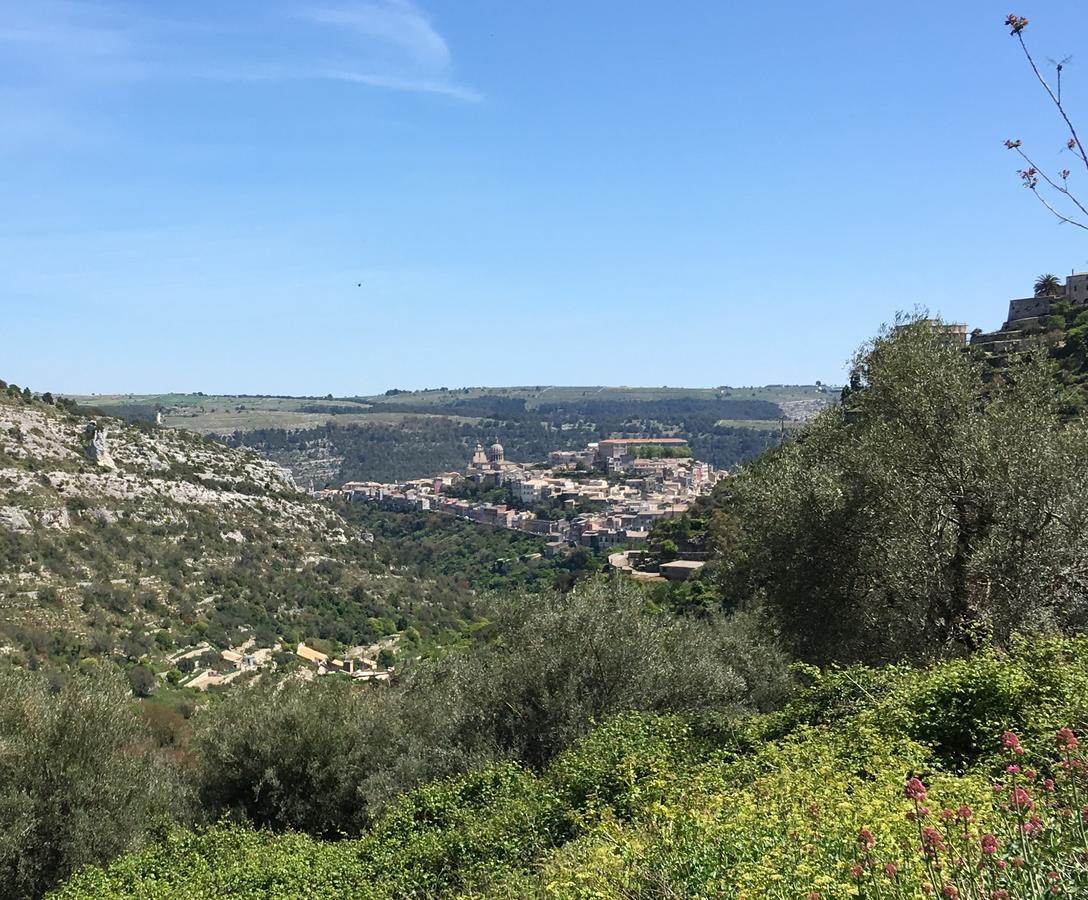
(404, 50)
(397, 23)
(380, 44)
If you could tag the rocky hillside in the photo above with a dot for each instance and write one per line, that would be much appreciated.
(135, 543)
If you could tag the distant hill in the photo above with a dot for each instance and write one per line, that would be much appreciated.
(409, 434)
(226, 413)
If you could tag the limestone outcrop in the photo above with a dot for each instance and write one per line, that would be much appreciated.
(98, 448)
(14, 519)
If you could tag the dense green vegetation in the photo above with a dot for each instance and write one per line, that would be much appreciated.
(464, 556)
(328, 757)
(941, 508)
(658, 451)
(814, 800)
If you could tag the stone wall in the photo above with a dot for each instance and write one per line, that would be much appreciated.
(1028, 308)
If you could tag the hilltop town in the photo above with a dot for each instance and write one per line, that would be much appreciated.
(608, 495)
(1030, 316)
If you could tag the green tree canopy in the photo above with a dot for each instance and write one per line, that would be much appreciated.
(79, 782)
(946, 504)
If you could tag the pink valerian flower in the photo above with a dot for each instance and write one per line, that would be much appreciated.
(989, 844)
(1015, 23)
(950, 892)
(1021, 799)
(1013, 769)
(965, 813)
(915, 790)
(1009, 740)
(932, 841)
(1065, 739)
(1033, 827)
(999, 894)
(947, 815)
(814, 895)
(891, 870)
(856, 871)
(866, 841)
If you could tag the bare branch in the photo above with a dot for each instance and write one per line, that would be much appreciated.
(1059, 215)
(1075, 145)
(1035, 170)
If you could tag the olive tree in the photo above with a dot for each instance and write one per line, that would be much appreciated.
(944, 505)
(79, 782)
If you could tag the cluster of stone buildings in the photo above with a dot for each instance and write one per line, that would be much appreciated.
(359, 663)
(235, 662)
(641, 566)
(355, 664)
(1028, 316)
(611, 494)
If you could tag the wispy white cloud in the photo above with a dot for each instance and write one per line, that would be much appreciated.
(415, 85)
(395, 22)
(381, 44)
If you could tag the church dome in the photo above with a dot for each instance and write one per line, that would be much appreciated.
(495, 452)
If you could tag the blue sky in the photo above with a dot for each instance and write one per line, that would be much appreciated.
(688, 193)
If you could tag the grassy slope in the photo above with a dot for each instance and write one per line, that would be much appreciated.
(224, 414)
(221, 414)
(678, 807)
(536, 395)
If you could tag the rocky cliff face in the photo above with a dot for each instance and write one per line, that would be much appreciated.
(49, 458)
(127, 541)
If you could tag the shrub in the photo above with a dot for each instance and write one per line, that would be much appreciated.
(288, 755)
(78, 781)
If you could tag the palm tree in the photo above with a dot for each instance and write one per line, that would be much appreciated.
(1048, 286)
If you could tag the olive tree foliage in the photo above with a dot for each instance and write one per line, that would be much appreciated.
(79, 782)
(293, 755)
(943, 505)
(324, 757)
(563, 663)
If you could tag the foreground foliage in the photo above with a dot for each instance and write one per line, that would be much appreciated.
(870, 783)
(941, 508)
(554, 667)
(77, 781)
